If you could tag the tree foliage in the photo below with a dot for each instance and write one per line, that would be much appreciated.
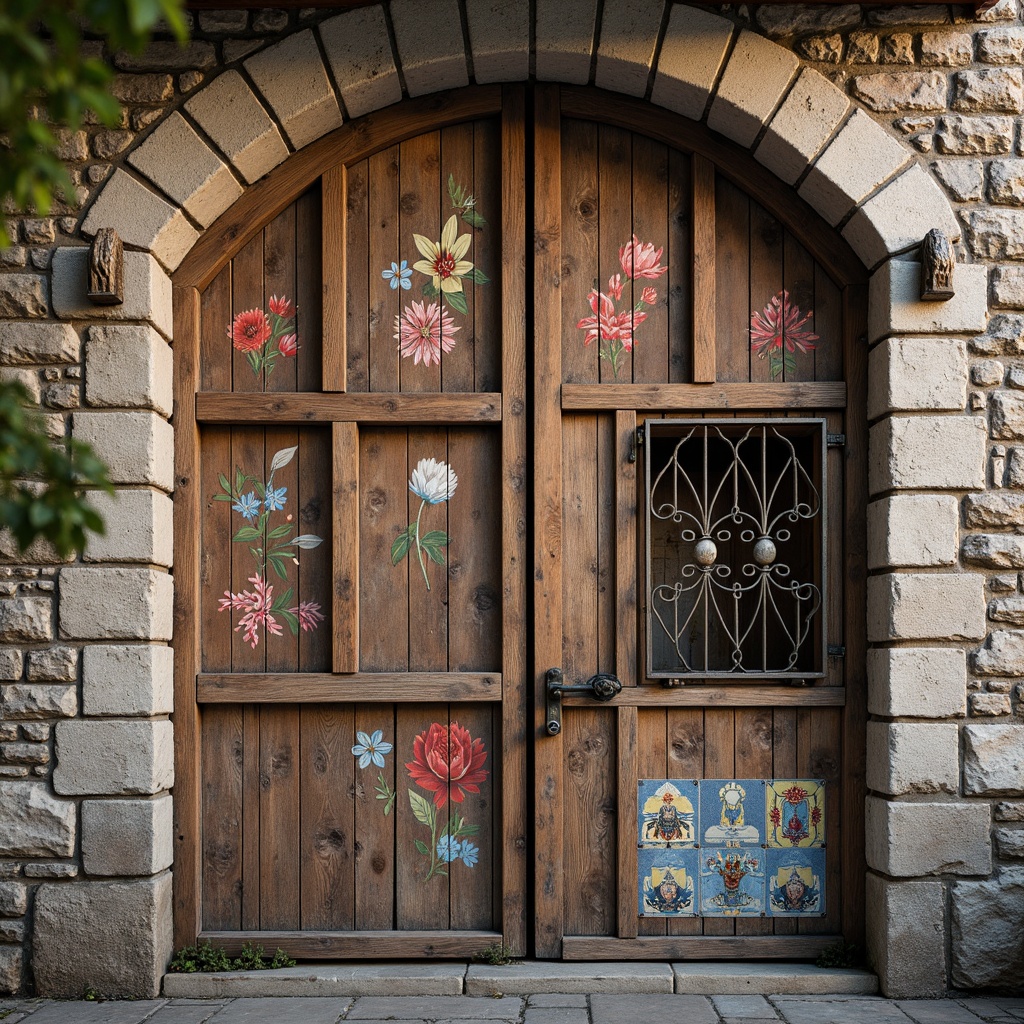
(49, 81)
(42, 481)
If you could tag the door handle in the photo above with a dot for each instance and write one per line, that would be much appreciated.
(602, 687)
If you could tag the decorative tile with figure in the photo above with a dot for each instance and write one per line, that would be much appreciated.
(731, 882)
(667, 812)
(730, 812)
(795, 812)
(796, 882)
(668, 882)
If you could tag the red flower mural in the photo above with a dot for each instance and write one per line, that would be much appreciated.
(778, 332)
(250, 330)
(446, 755)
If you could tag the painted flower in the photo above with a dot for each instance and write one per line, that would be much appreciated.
(433, 481)
(615, 283)
(256, 604)
(250, 330)
(283, 307)
(815, 815)
(308, 614)
(778, 331)
(608, 325)
(449, 849)
(795, 795)
(248, 505)
(776, 816)
(470, 854)
(275, 498)
(641, 259)
(424, 331)
(448, 757)
(288, 345)
(442, 261)
(649, 296)
(398, 275)
(371, 748)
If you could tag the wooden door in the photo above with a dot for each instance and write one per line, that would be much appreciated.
(698, 371)
(350, 515)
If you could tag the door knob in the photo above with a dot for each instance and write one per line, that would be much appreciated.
(602, 687)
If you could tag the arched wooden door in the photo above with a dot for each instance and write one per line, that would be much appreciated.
(385, 396)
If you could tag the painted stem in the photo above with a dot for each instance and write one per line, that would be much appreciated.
(419, 549)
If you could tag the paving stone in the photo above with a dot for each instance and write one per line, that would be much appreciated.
(82, 1012)
(756, 1007)
(556, 1015)
(430, 1007)
(764, 979)
(937, 1011)
(195, 1014)
(312, 1010)
(568, 977)
(616, 1009)
(556, 999)
(844, 1011)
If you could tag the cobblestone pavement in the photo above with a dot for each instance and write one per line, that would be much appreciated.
(536, 1009)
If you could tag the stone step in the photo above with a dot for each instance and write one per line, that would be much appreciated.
(524, 978)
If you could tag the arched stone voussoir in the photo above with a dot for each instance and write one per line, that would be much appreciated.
(692, 54)
(499, 37)
(629, 38)
(565, 40)
(359, 51)
(428, 34)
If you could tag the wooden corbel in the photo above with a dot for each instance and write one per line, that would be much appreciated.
(106, 269)
(937, 262)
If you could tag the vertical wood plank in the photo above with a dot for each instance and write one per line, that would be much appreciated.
(625, 547)
(679, 280)
(375, 830)
(358, 306)
(732, 281)
(279, 817)
(315, 571)
(685, 761)
(335, 211)
(766, 280)
(495, 162)
(308, 294)
(705, 331)
(250, 817)
(784, 767)
(651, 763)
(385, 246)
(547, 515)
(282, 651)
(625, 823)
(246, 294)
(345, 592)
(221, 752)
(828, 325)
(279, 281)
(799, 283)
(615, 203)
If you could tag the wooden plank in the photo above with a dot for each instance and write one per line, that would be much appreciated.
(626, 552)
(383, 247)
(357, 280)
(766, 282)
(784, 767)
(308, 294)
(650, 763)
(496, 171)
(697, 947)
(375, 831)
(335, 208)
(279, 277)
(615, 219)
(251, 816)
(704, 273)
(316, 687)
(369, 409)
(678, 283)
(625, 822)
(748, 695)
(187, 512)
(282, 651)
(221, 752)
(279, 817)
(314, 573)
(362, 945)
(704, 397)
(457, 161)
(799, 284)
(345, 592)
(516, 825)
(547, 516)
(685, 750)
(732, 281)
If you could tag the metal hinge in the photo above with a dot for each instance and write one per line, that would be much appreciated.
(835, 440)
(836, 651)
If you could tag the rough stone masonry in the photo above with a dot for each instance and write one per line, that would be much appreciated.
(937, 95)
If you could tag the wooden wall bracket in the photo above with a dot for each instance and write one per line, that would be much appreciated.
(106, 269)
(937, 263)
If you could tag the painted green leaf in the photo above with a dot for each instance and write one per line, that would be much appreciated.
(224, 483)
(292, 620)
(422, 809)
(282, 458)
(454, 192)
(435, 554)
(246, 533)
(400, 548)
(474, 219)
(422, 847)
(280, 531)
(477, 276)
(260, 489)
(429, 291)
(436, 538)
(278, 566)
(457, 300)
(223, 497)
(284, 600)
(306, 541)
(239, 480)
(466, 830)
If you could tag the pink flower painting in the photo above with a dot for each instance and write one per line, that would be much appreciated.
(264, 339)
(779, 332)
(425, 331)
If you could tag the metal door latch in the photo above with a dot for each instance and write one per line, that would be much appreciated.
(602, 687)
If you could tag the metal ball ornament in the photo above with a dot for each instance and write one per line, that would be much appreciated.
(765, 551)
(705, 551)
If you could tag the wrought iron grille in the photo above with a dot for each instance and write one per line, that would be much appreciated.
(735, 552)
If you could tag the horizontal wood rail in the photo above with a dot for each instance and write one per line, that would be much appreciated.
(742, 695)
(697, 947)
(321, 688)
(360, 945)
(704, 397)
(368, 409)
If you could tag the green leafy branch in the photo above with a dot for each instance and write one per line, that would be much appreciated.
(431, 544)
(385, 792)
(425, 812)
(461, 200)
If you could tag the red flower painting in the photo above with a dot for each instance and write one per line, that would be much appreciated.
(264, 338)
(250, 330)
(779, 332)
(448, 757)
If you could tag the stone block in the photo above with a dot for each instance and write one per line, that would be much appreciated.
(906, 936)
(995, 234)
(917, 682)
(147, 289)
(901, 91)
(908, 530)
(993, 551)
(292, 79)
(229, 112)
(32, 700)
(895, 306)
(176, 159)
(963, 179)
(629, 38)
(1001, 45)
(26, 619)
(128, 367)
(892, 220)
(988, 941)
(757, 75)
(564, 39)
(499, 38)
(13, 899)
(129, 681)
(692, 54)
(852, 166)
(746, 978)
(139, 528)
(33, 823)
(946, 49)
(113, 757)
(126, 604)
(38, 343)
(114, 937)
(1010, 843)
(11, 963)
(795, 19)
(993, 760)
(169, 56)
(961, 135)
(435, 60)
(927, 452)
(12, 663)
(127, 837)
(138, 447)
(23, 295)
(1006, 185)
(906, 374)
(359, 53)
(483, 980)
(911, 839)
(141, 218)
(1006, 414)
(913, 757)
(932, 606)
(802, 125)
(989, 705)
(53, 665)
(1008, 610)
(998, 90)
(1007, 283)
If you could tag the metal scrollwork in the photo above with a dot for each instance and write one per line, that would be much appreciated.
(744, 547)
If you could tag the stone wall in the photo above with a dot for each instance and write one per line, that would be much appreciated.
(937, 96)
